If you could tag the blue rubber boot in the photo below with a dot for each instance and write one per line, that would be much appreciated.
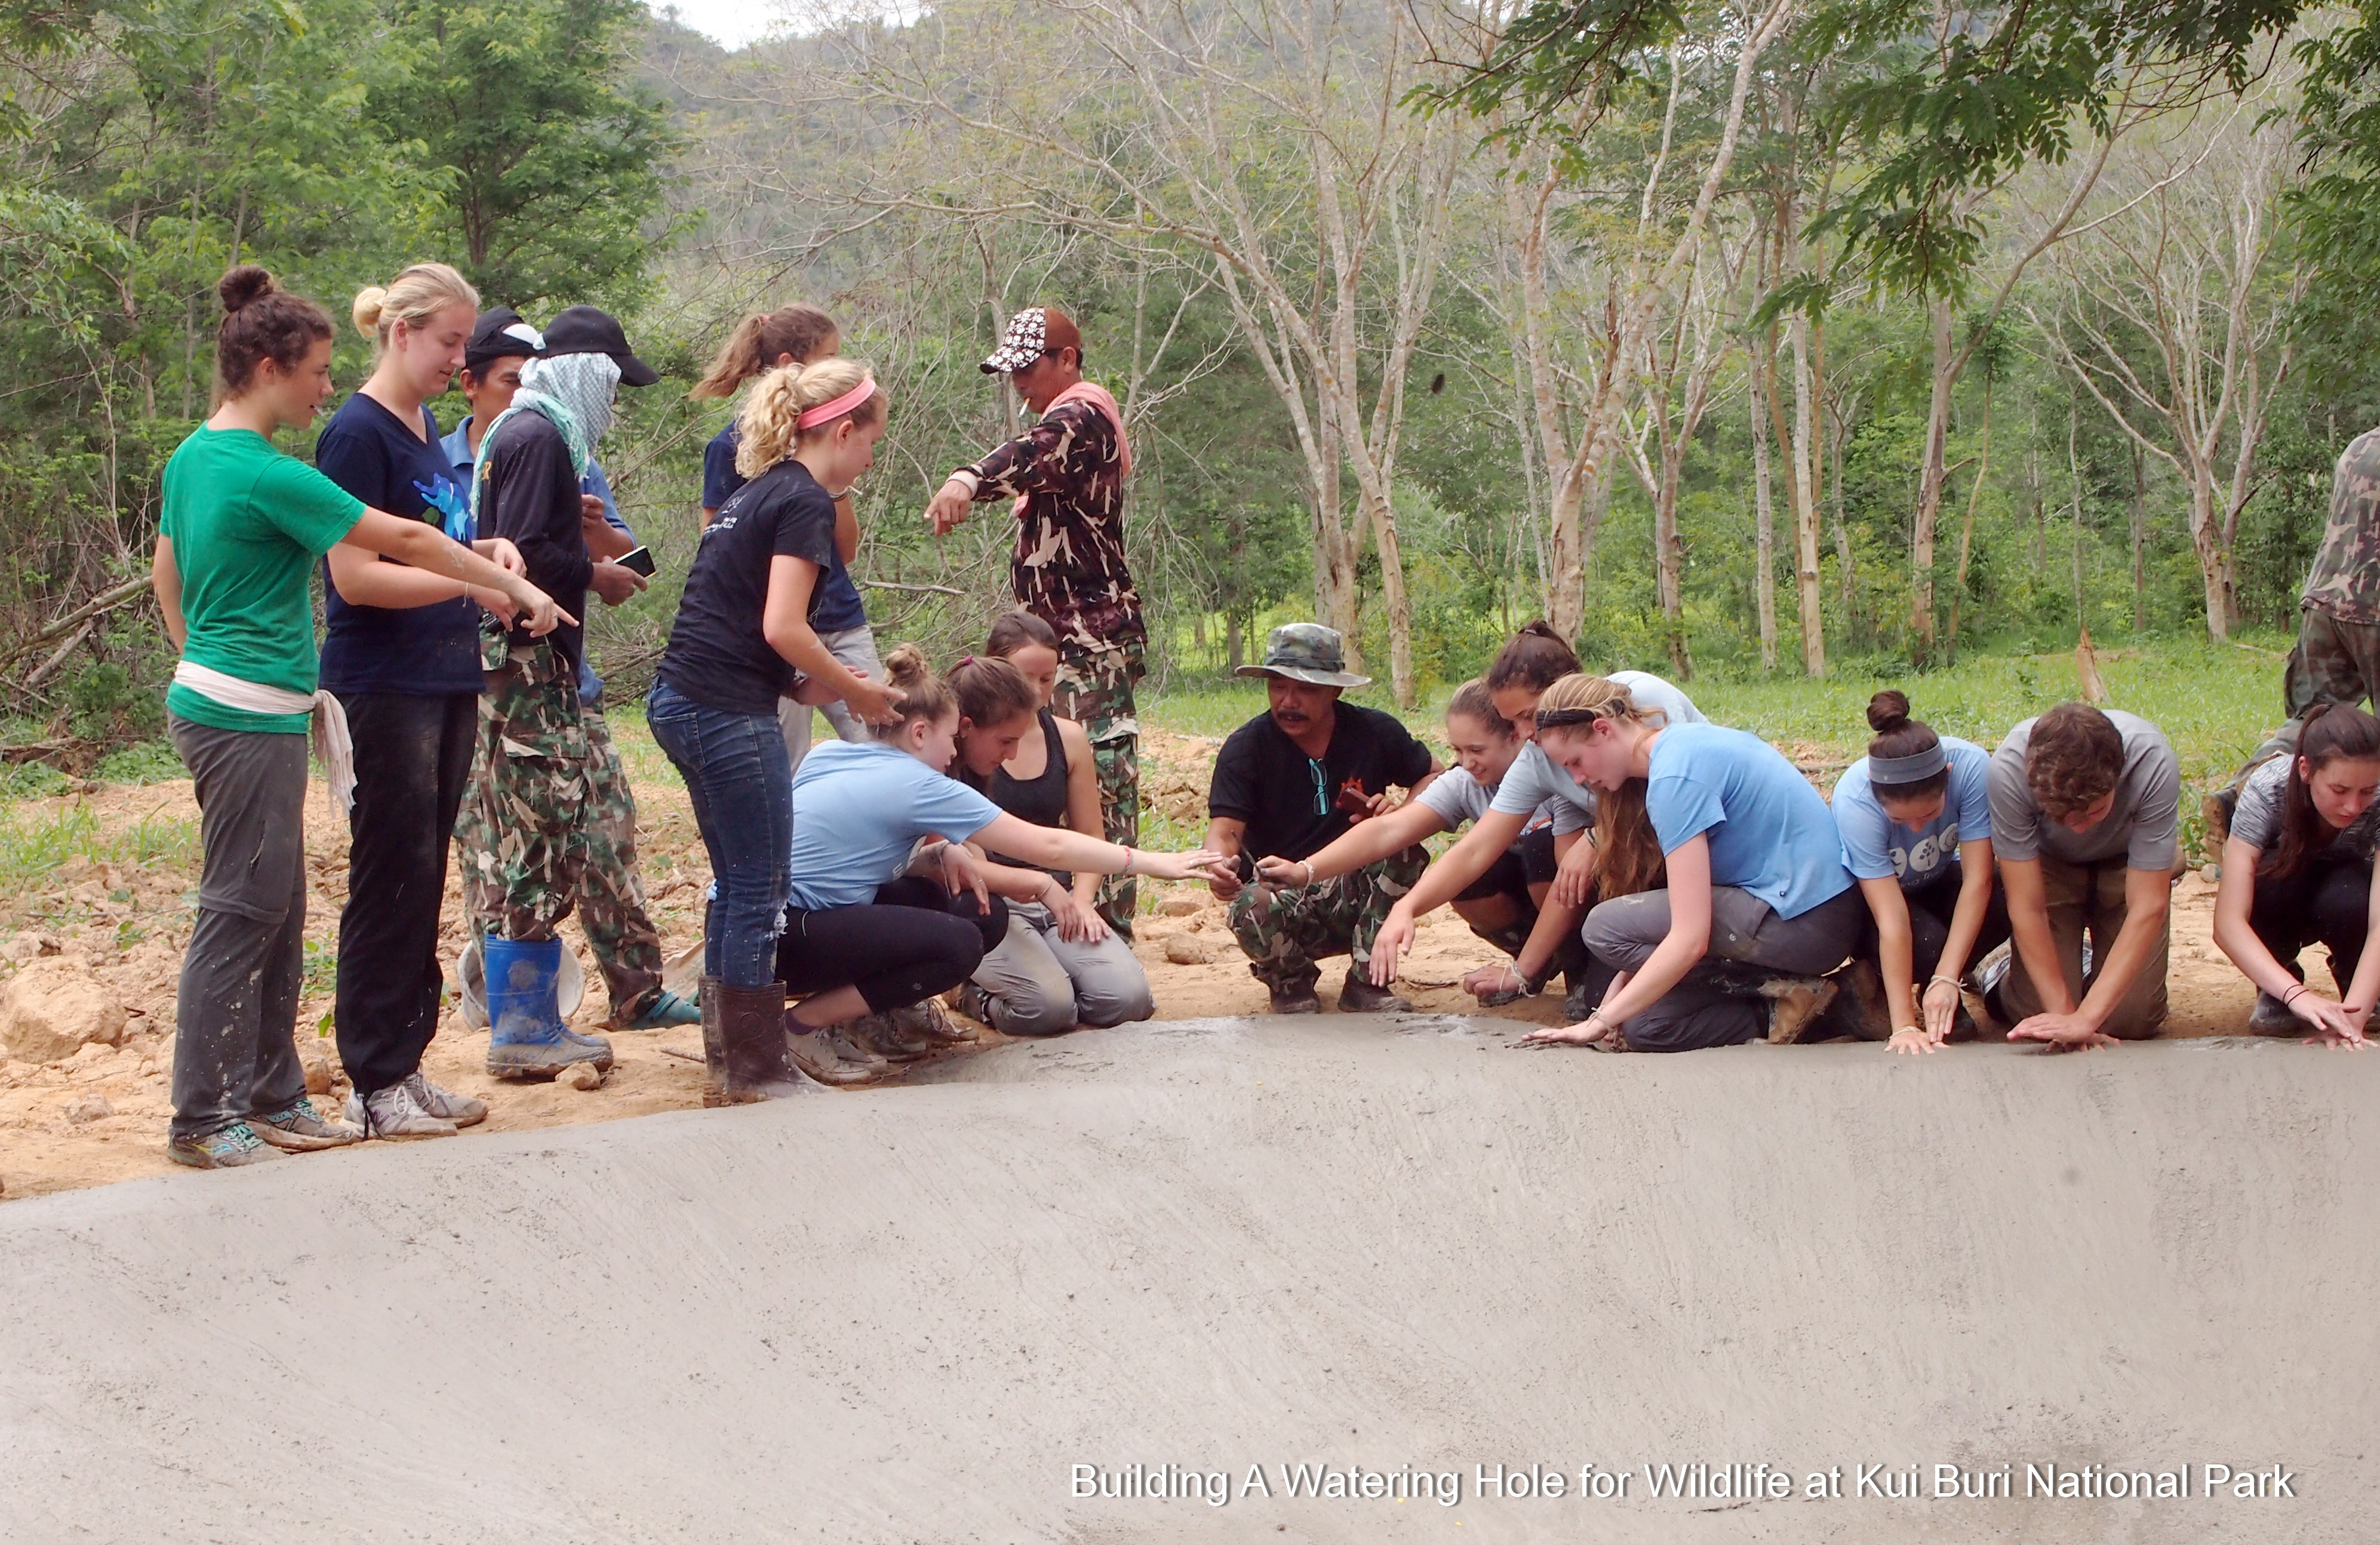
(527, 1038)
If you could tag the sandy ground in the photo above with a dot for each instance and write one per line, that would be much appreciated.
(907, 1314)
(124, 926)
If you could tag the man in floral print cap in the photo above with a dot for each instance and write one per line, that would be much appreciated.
(1065, 481)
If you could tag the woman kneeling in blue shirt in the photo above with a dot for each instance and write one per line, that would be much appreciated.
(1756, 875)
(867, 929)
(1916, 824)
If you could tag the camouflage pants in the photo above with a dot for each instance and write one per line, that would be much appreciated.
(1286, 932)
(1095, 691)
(549, 823)
(2334, 662)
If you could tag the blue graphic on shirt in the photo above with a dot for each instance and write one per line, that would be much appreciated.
(453, 508)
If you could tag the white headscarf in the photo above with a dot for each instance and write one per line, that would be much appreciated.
(583, 384)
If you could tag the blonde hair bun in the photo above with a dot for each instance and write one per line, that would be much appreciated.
(369, 302)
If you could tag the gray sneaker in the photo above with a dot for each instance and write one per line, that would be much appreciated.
(394, 1113)
(300, 1127)
(461, 1109)
(225, 1148)
(2272, 1017)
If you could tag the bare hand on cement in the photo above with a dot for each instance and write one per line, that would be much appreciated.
(2065, 1033)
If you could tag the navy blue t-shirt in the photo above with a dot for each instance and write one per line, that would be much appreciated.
(837, 606)
(406, 651)
(718, 655)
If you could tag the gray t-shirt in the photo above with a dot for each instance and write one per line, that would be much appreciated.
(1535, 781)
(1459, 797)
(2257, 818)
(2141, 827)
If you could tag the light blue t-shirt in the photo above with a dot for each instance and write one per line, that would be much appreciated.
(1769, 830)
(858, 810)
(1535, 781)
(1877, 847)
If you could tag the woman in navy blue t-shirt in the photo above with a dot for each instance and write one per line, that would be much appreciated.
(402, 655)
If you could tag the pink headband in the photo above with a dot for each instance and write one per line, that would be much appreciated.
(827, 413)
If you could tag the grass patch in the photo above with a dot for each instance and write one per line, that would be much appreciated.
(33, 847)
(149, 762)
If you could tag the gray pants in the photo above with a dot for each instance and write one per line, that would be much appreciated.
(238, 1008)
(1037, 984)
(855, 647)
(1700, 1011)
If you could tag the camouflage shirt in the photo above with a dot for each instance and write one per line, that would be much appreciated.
(2346, 578)
(1068, 568)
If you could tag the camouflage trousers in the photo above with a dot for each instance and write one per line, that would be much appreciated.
(1286, 932)
(2334, 662)
(1095, 691)
(549, 823)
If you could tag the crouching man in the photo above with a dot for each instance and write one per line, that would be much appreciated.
(1287, 784)
(2084, 807)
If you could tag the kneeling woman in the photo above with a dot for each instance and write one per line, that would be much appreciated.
(1502, 904)
(1755, 867)
(1916, 829)
(1060, 964)
(865, 931)
(2298, 870)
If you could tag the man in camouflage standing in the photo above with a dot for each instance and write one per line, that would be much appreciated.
(2338, 656)
(1064, 478)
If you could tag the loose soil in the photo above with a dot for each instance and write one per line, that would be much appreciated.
(126, 924)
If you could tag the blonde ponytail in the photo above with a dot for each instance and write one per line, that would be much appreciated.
(768, 429)
(413, 297)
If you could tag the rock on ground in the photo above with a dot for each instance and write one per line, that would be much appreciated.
(52, 1008)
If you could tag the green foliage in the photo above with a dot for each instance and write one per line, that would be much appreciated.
(550, 158)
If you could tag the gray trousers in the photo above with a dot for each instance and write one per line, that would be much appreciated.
(1710, 1007)
(855, 647)
(238, 1008)
(1038, 984)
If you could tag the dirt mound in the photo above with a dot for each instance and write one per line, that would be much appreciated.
(1156, 1254)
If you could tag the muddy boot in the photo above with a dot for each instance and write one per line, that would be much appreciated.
(753, 1065)
(714, 1051)
(1357, 995)
(1795, 1004)
(821, 1055)
(1291, 996)
(1860, 1010)
(887, 1036)
(528, 1037)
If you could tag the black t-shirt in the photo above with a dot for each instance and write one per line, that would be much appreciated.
(415, 651)
(717, 655)
(531, 497)
(1289, 799)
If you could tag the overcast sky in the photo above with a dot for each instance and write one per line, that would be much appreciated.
(731, 23)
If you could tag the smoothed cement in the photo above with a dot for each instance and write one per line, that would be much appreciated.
(903, 1315)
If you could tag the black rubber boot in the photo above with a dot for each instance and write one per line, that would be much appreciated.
(754, 1064)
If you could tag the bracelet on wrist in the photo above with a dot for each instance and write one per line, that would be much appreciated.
(2289, 995)
(1951, 980)
(1529, 984)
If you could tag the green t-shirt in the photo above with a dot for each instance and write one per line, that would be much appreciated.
(248, 524)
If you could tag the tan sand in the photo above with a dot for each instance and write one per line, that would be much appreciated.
(904, 1314)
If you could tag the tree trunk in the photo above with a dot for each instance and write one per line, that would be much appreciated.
(1764, 524)
(1234, 645)
(1929, 491)
(1565, 552)
(1669, 561)
(1392, 592)
(1967, 523)
(2140, 538)
(1805, 508)
(2213, 562)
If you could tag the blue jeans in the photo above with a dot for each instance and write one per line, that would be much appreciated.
(742, 787)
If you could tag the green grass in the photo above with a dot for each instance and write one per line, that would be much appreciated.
(34, 846)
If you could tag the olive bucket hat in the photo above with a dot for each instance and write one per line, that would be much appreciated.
(1307, 652)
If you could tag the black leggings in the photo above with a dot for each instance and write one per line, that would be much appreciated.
(1930, 909)
(2328, 902)
(915, 940)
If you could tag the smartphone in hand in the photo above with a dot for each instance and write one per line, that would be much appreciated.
(640, 560)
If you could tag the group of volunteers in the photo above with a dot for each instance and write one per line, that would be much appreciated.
(972, 831)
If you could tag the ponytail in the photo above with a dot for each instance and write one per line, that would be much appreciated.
(1535, 658)
(760, 340)
(769, 430)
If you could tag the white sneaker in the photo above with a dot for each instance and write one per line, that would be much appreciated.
(461, 1109)
(394, 1113)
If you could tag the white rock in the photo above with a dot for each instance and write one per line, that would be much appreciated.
(52, 1008)
(582, 1076)
(91, 1108)
(1186, 949)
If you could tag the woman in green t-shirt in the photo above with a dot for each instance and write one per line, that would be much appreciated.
(242, 528)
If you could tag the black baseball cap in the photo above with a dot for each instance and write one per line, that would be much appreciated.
(587, 330)
(499, 334)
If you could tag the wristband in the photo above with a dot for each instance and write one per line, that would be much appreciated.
(2290, 995)
(1909, 1030)
(1951, 980)
(1309, 871)
(1532, 986)
(1130, 854)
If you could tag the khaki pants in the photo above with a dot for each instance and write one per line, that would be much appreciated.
(2090, 898)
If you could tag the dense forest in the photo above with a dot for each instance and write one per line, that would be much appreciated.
(1736, 338)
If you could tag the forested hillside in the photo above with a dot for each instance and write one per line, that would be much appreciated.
(1737, 339)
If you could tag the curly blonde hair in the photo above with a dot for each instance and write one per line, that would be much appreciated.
(769, 428)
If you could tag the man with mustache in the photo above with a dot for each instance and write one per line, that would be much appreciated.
(1287, 784)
